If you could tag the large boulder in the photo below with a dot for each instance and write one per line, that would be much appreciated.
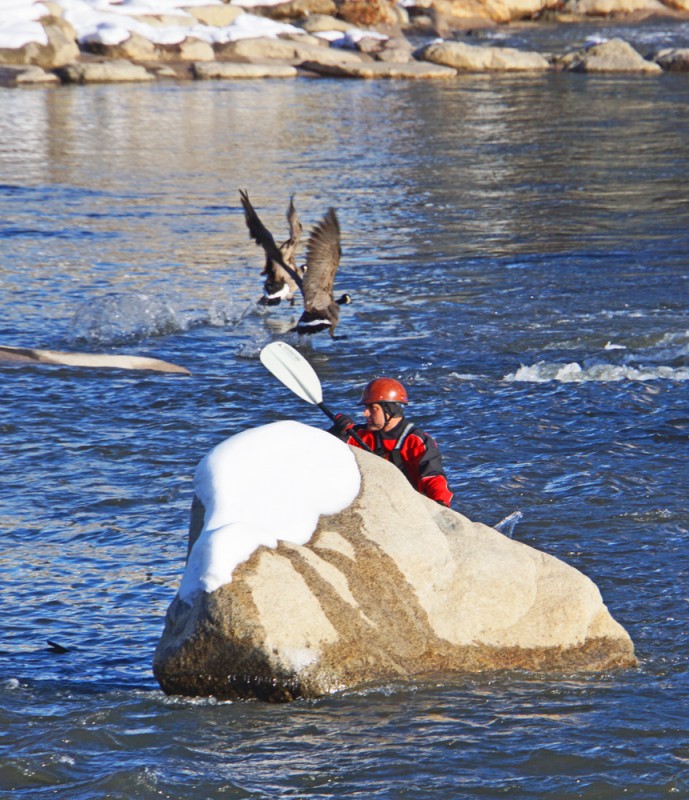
(119, 70)
(474, 58)
(266, 49)
(390, 587)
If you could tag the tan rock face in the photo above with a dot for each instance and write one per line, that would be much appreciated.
(391, 588)
(608, 8)
(318, 23)
(499, 11)
(190, 49)
(215, 16)
(62, 46)
(368, 13)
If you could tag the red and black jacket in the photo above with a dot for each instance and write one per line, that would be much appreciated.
(413, 451)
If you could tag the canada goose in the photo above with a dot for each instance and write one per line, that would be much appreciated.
(321, 310)
(282, 274)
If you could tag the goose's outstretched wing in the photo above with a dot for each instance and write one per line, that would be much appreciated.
(323, 254)
(288, 248)
(259, 233)
(283, 279)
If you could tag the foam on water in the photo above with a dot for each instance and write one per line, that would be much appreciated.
(573, 372)
(663, 358)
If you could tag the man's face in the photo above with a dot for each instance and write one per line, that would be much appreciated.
(375, 419)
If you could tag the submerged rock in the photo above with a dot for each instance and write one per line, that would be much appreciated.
(412, 70)
(392, 587)
(26, 75)
(30, 355)
(615, 55)
(673, 59)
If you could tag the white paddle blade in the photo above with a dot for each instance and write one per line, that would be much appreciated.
(292, 369)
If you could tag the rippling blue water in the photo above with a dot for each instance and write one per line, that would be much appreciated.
(517, 253)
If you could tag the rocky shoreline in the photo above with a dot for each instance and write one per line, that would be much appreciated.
(332, 38)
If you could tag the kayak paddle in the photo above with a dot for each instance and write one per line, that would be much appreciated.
(294, 371)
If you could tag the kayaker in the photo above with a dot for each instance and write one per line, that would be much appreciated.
(390, 435)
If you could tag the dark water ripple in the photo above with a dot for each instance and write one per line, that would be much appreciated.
(516, 250)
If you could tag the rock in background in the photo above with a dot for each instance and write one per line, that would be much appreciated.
(315, 36)
(615, 55)
(470, 58)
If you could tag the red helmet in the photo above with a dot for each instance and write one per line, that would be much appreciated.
(383, 390)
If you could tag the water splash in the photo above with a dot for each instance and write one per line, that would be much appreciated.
(123, 318)
(507, 525)
(126, 317)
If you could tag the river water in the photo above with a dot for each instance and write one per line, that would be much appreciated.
(517, 252)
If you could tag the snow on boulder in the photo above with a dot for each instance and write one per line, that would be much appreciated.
(315, 567)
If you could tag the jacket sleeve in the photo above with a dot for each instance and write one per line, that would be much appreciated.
(435, 487)
(432, 479)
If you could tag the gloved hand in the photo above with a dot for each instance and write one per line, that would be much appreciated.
(343, 424)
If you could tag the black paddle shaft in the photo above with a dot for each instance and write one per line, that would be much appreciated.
(353, 433)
